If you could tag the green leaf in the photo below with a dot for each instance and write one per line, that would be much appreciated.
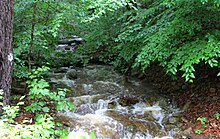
(29, 108)
(82, 137)
(203, 120)
(217, 115)
(92, 135)
(59, 124)
(45, 109)
(198, 131)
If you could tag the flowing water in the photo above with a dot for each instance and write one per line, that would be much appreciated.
(114, 106)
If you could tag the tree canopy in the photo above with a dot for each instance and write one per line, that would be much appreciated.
(126, 33)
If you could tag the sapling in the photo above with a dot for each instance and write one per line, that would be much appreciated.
(203, 120)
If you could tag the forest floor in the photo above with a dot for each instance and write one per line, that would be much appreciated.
(200, 99)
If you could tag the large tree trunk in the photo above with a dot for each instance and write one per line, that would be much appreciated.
(6, 54)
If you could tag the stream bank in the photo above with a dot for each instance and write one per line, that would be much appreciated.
(198, 99)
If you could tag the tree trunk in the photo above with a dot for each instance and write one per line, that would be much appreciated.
(6, 53)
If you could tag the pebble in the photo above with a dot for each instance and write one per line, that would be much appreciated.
(173, 120)
(184, 120)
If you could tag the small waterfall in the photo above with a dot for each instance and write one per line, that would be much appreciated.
(115, 107)
(64, 80)
(124, 122)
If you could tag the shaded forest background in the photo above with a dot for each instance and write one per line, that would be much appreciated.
(178, 35)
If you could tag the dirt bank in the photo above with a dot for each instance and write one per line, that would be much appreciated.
(200, 100)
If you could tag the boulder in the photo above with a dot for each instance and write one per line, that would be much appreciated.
(72, 74)
(127, 100)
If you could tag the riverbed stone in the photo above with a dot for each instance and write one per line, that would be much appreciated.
(60, 70)
(84, 109)
(72, 74)
(127, 100)
(162, 103)
(56, 75)
(112, 104)
(173, 120)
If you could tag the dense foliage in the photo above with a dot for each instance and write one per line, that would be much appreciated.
(42, 102)
(177, 34)
(39, 24)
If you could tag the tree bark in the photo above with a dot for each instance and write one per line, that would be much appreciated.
(6, 52)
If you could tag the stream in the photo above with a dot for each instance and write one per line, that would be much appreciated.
(114, 106)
